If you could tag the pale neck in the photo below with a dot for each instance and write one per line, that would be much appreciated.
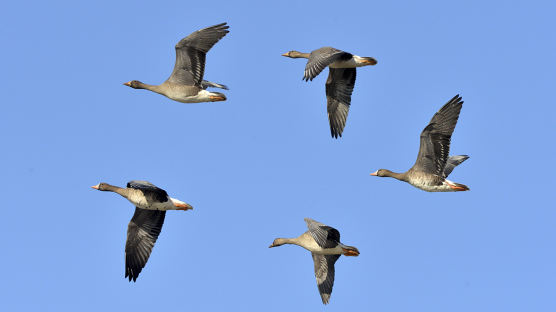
(299, 55)
(395, 175)
(292, 241)
(116, 189)
(149, 87)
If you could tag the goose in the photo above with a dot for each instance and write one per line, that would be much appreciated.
(340, 82)
(186, 84)
(433, 164)
(324, 244)
(151, 204)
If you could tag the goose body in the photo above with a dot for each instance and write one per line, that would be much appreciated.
(151, 204)
(190, 94)
(186, 84)
(340, 82)
(353, 62)
(433, 165)
(324, 244)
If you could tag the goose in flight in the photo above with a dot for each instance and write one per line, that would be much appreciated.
(433, 164)
(151, 204)
(324, 244)
(340, 82)
(186, 82)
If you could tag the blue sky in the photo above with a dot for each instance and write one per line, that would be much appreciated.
(254, 166)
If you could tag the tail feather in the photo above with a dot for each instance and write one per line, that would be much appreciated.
(205, 84)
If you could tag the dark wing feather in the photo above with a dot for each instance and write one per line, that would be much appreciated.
(339, 87)
(324, 273)
(152, 192)
(191, 53)
(142, 232)
(452, 162)
(325, 236)
(321, 58)
(435, 139)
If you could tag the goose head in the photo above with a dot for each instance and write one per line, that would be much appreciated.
(382, 173)
(294, 54)
(135, 84)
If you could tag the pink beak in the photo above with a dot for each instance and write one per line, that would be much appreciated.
(374, 173)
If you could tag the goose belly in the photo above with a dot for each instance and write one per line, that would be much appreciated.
(427, 186)
(198, 98)
(140, 201)
(308, 242)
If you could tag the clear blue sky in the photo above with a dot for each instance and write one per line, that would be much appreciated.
(254, 166)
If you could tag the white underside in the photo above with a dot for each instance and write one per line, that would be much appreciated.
(308, 242)
(138, 199)
(445, 187)
(202, 96)
(351, 63)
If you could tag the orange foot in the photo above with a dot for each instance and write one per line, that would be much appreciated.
(217, 98)
(352, 253)
(457, 188)
(183, 207)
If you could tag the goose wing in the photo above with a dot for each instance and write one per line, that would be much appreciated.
(319, 59)
(142, 233)
(325, 236)
(339, 87)
(152, 193)
(452, 162)
(435, 139)
(191, 54)
(324, 273)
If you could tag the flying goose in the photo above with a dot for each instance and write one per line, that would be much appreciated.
(142, 231)
(433, 164)
(340, 82)
(324, 244)
(186, 82)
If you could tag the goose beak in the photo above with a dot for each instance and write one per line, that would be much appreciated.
(374, 173)
(285, 54)
(127, 83)
(271, 245)
(95, 186)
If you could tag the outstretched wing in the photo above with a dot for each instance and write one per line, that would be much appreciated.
(191, 54)
(324, 273)
(452, 162)
(151, 192)
(321, 58)
(142, 233)
(435, 138)
(325, 236)
(339, 87)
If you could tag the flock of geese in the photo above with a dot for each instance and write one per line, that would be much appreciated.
(186, 85)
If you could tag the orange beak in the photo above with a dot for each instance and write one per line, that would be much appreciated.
(285, 54)
(127, 83)
(374, 173)
(95, 187)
